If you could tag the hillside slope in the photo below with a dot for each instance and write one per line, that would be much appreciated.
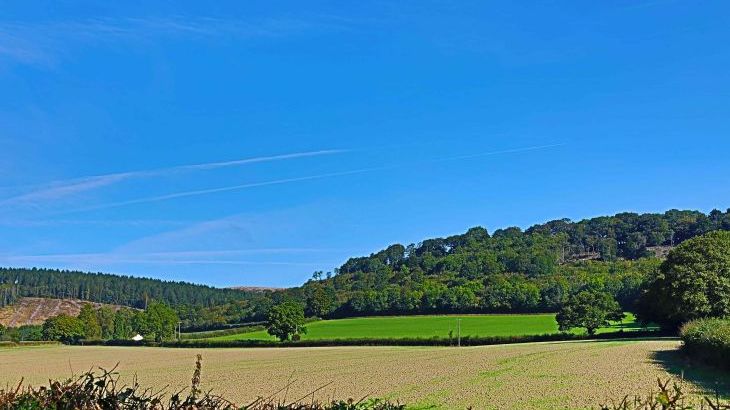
(509, 270)
(34, 311)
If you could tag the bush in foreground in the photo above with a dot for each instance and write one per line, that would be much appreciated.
(667, 398)
(708, 340)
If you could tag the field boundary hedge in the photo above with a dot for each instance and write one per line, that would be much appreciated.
(465, 341)
(248, 328)
(708, 340)
(28, 343)
(223, 332)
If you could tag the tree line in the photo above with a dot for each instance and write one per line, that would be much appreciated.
(509, 270)
(157, 322)
(106, 288)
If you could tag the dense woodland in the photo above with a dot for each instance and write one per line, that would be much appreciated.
(509, 270)
(106, 288)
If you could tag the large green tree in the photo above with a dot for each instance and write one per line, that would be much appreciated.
(590, 310)
(157, 322)
(92, 328)
(321, 301)
(123, 324)
(693, 282)
(105, 316)
(64, 328)
(286, 320)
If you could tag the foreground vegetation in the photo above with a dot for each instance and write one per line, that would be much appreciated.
(103, 391)
(708, 340)
(431, 326)
(535, 376)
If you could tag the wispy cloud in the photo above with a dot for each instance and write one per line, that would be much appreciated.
(30, 43)
(499, 152)
(69, 187)
(30, 223)
(230, 188)
(214, 257)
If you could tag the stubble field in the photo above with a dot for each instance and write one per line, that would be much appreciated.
(539, 375)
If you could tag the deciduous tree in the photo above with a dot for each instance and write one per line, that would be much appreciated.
(64, 328)
(694, 282)
(286, 320)
(590, 310)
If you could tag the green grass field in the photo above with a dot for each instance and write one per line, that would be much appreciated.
(430, 326)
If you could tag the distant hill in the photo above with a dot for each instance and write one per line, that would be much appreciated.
(507, 270)
(510, 269)
(106, 288)
(34, 311)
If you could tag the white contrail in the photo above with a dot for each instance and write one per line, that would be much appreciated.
(504, 151)
(156, 257)
(228, 188)
(68, 187)
(305, 178)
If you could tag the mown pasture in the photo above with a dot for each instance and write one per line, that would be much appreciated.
(392, 327)
(536, 375)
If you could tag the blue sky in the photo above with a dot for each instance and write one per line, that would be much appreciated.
(252, 143)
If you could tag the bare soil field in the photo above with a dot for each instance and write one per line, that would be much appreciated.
(539, 375)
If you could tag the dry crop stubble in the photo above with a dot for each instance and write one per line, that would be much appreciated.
(540, 375)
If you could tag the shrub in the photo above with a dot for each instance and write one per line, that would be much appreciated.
(667, 398)
(708, 340)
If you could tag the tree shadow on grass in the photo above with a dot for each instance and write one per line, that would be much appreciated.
(680, 366)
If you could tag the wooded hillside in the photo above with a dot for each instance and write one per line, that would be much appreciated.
(509, 270)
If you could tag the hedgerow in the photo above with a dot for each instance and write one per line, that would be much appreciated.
(28, 343)
(436, 341)
(708, 340)
(223, 332)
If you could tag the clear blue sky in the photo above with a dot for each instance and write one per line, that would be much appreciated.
(251, 143)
